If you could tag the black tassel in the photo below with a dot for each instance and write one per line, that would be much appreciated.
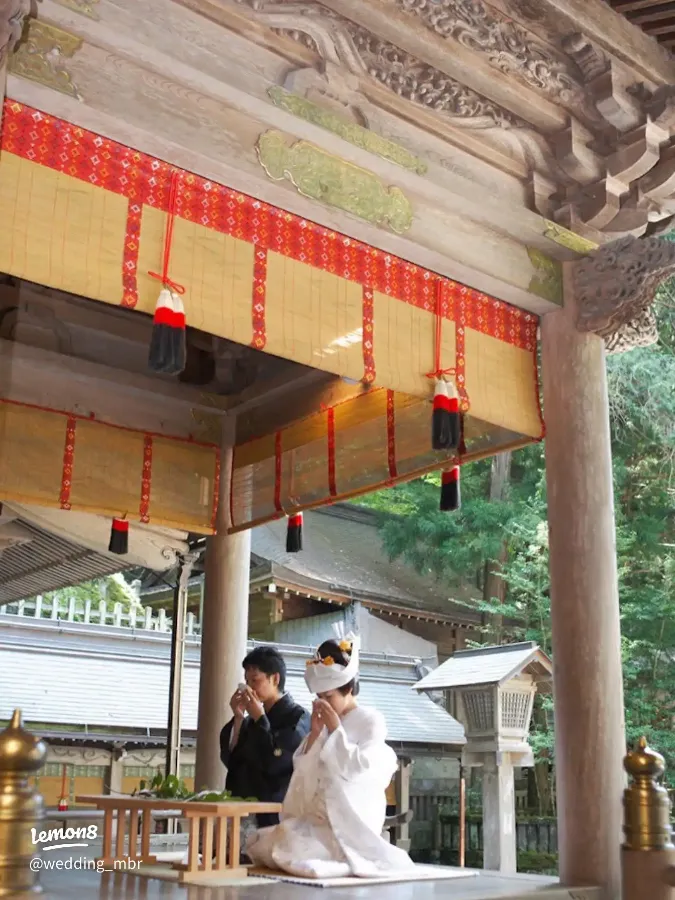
(294, 534)
(161, 352)
(445, 417)
(178, 336)
(119, 537)
(451, 498)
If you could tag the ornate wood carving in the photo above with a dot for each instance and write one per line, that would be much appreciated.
(509, 47)
(40, 57)
(615, 287)
(340, 41)
(420, 83)
(610, 172)
(12, 15)
(334, 181)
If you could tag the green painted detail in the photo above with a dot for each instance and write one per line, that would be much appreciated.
(348, 131)
(334, 181)
(547, 281)
(567, 238)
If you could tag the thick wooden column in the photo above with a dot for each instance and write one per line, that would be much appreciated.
(224, 631)
(588, 687)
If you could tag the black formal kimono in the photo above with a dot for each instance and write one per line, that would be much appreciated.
(261, 762)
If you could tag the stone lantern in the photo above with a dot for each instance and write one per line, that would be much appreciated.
(491, 691)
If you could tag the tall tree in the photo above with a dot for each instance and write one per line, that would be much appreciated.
(496, 548)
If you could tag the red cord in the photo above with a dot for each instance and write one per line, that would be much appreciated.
(438, 371)
(168, 237)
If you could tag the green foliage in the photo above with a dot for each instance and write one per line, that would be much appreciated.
(174, 788)
(456, 548)
(110, 588)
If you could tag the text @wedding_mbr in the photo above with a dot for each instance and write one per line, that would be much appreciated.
(82, 864)
(69, 838)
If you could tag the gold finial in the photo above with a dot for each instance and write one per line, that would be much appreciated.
(21, 754)
(20, 751)
(644, 762)
(646, 802)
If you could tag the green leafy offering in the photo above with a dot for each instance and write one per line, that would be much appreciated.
(173, 788)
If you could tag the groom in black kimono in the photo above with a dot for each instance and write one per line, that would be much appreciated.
(258, 743)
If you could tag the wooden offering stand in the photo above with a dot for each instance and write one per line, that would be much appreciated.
(208, 820)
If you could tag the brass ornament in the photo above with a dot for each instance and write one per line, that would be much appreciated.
(348, 131)
(40, 57)
(331, 180)
(22, 807)
(646, 803)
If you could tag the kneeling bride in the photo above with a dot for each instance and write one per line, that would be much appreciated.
(334, 811)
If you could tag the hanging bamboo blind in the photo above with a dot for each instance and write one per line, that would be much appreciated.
(372, 441)
(86, 215)
(52, 458)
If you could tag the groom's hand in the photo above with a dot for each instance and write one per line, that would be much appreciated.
(253, 706)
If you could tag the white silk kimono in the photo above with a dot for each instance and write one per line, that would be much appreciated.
(334, 811)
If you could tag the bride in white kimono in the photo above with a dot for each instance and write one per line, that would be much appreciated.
(333, 815)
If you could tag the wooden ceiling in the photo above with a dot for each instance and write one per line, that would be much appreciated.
(654, 17)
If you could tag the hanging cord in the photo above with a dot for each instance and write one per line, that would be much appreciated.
(439, 371)
(168, 238)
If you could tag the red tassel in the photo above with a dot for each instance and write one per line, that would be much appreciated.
(294, 534)
(178, 335)
(451, 498)
(119, 537)
(445, 417)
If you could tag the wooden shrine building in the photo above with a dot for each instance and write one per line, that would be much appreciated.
(345, 199)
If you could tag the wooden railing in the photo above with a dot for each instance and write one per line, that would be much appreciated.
(101, 613)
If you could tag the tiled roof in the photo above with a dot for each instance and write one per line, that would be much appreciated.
(105, 677)
(491, 665)
(47, 562)
(343, 554)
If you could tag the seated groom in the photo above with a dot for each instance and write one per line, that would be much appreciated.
(258, 743)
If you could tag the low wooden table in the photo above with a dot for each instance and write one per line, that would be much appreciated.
(208, 820)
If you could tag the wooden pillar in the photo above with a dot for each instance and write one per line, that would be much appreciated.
(224, 630)
(116, 773)
(403, 800)
(588, 687)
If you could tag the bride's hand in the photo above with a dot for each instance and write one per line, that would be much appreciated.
(328, 716)
(317, 723)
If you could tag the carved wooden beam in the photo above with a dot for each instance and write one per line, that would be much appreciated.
(615, 287)
(12, 15)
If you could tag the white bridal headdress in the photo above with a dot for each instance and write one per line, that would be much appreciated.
(328, 675)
